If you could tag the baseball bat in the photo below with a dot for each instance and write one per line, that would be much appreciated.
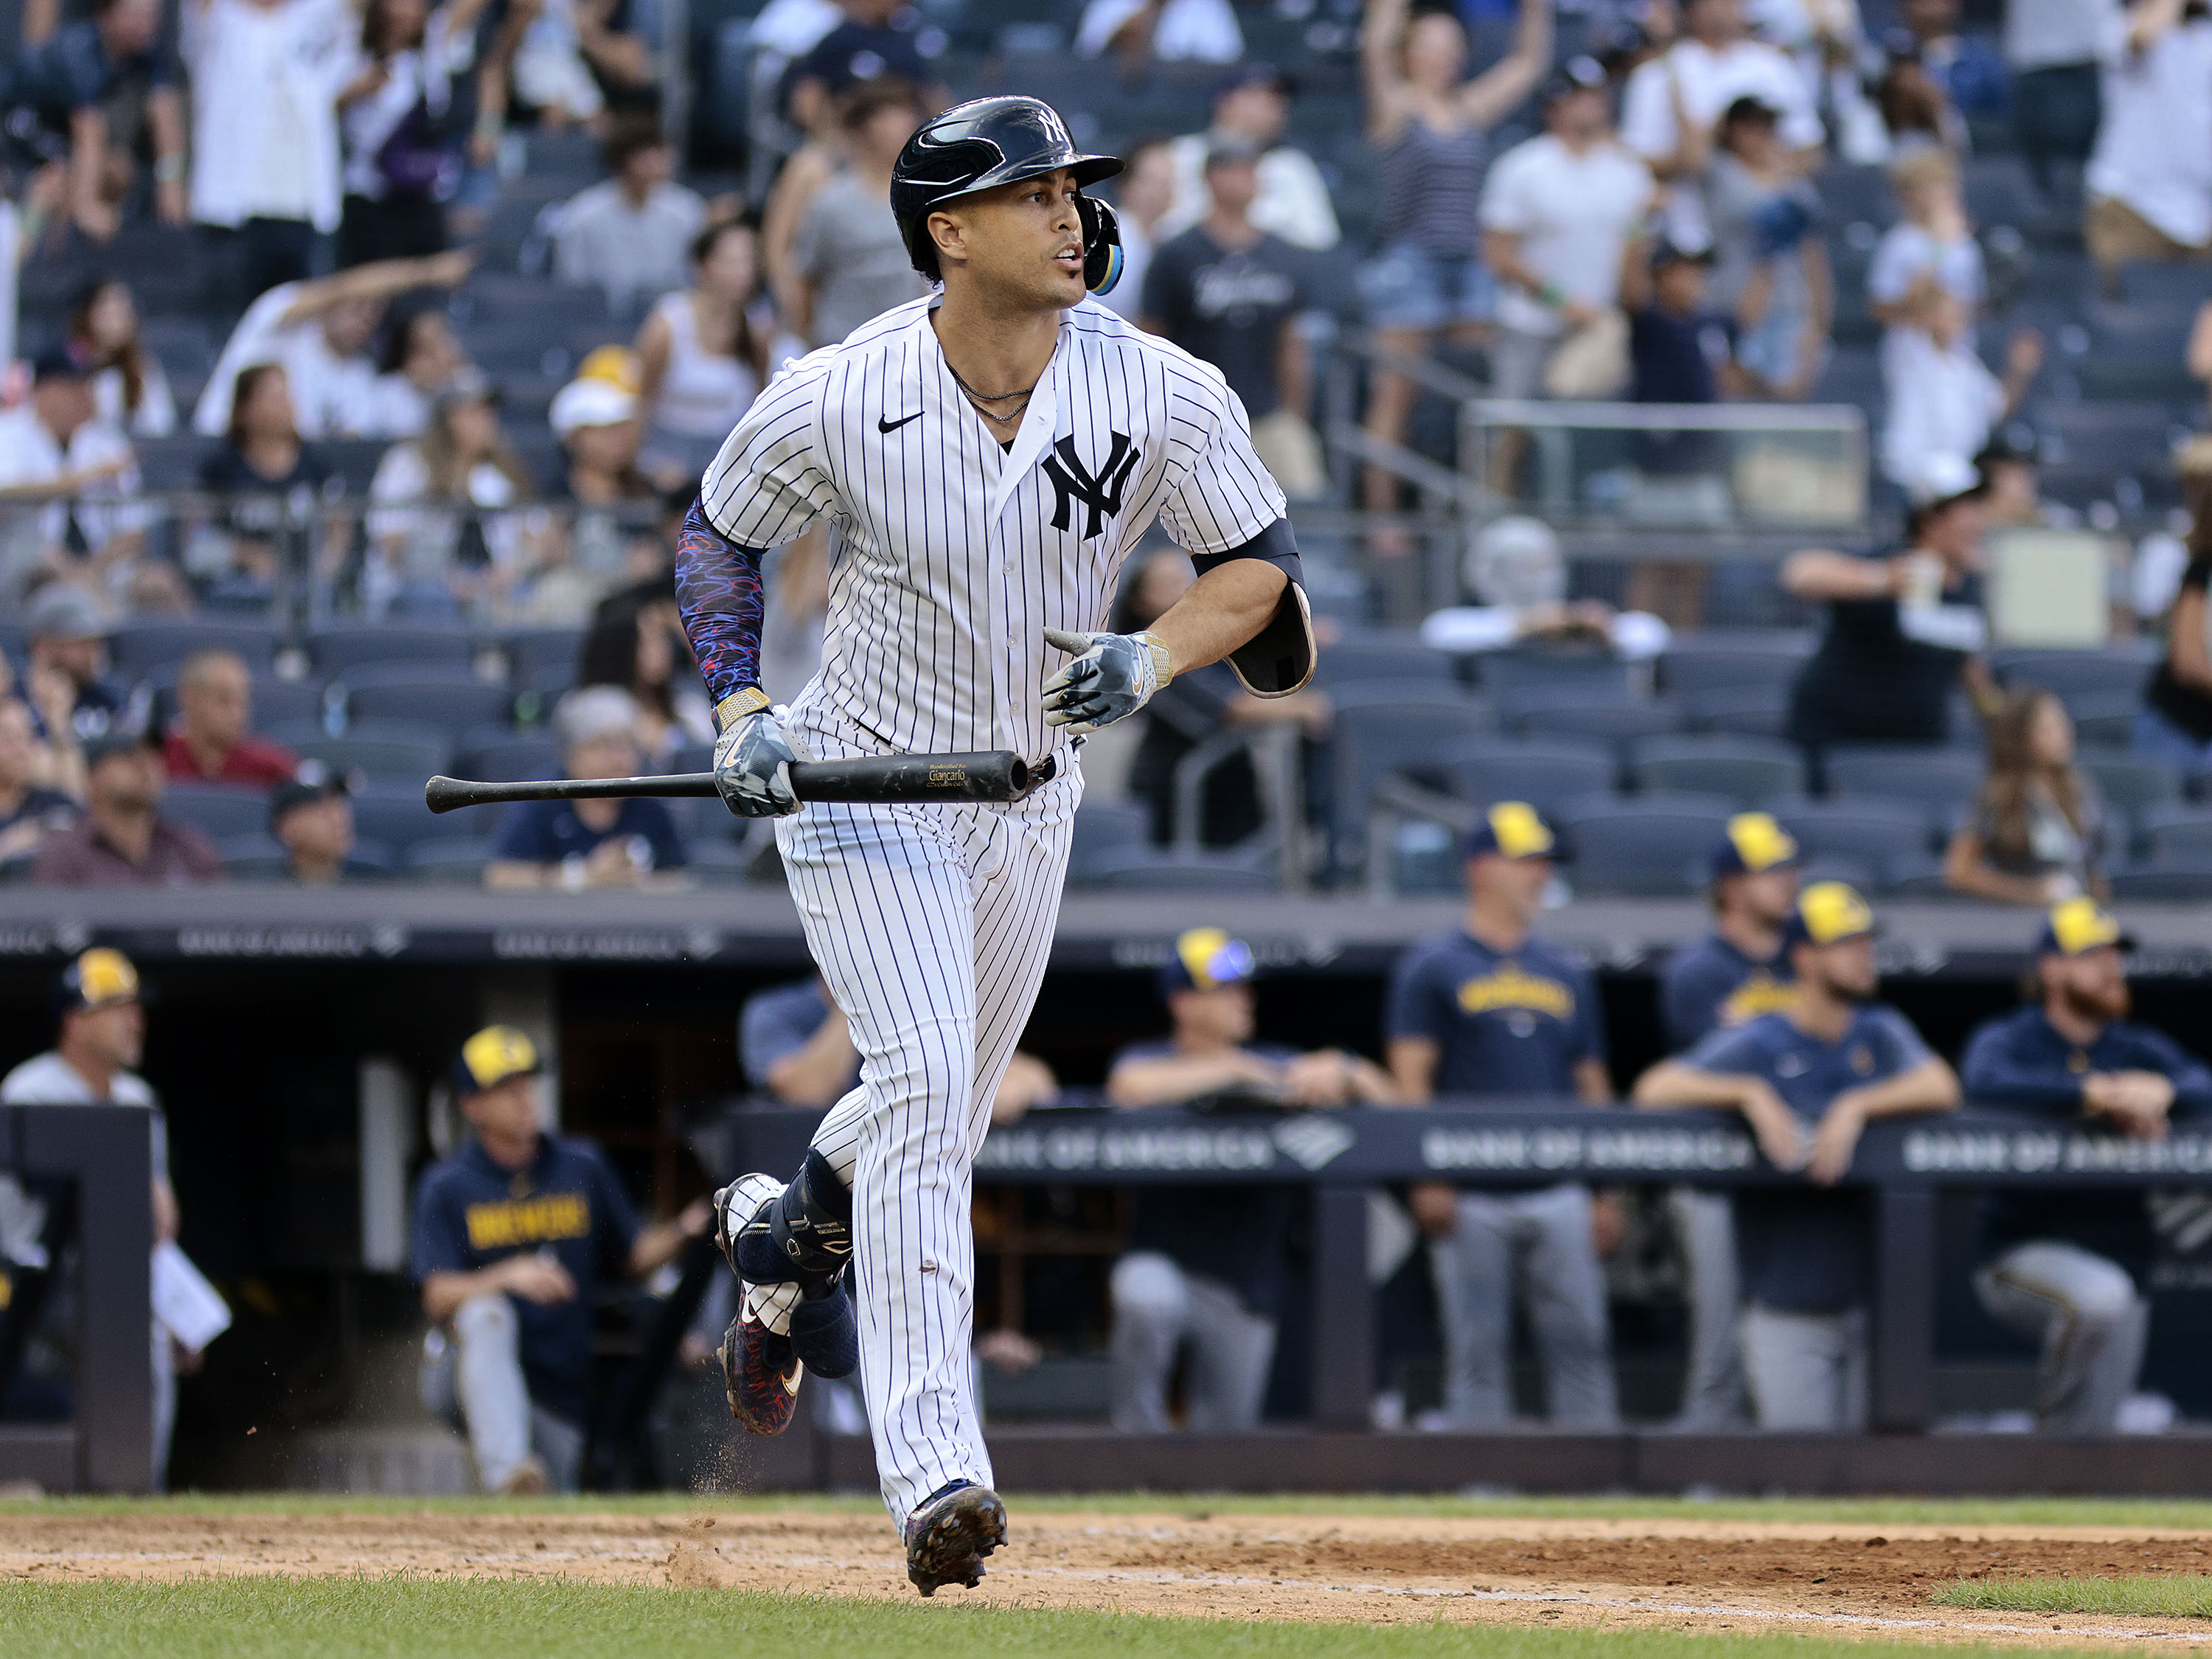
(992, 774)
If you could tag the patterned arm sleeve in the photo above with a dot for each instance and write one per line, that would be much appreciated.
(717, 588)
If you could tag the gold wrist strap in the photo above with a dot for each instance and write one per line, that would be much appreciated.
(1162, 663)
(738, 704)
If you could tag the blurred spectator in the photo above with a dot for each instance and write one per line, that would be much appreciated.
(2175, 724)
(1561, 216)
(574, 844)
(130, 392)
(1902, 631)
(2150, 176)
(123, 841)
(397, 105)
(1968, 69)
(29, 813)
(630, 234)
(93, 99)
(1808, 1079)
(1943, 401)
(67, 678)
(1143, 195)
(1770, 273)
(462, 460)
(876, 37)
(795, 1044)
(2069, 1268)
(568, 56)
(264, 468)
(511, 1234)
(420, 357)
(1671, 109)
(313, 821)
(1194, 706)
(1734, 974)
(703, 355)
(2052, 48)
(101, 1037)
(1932, 247)
(1916, 110)
(1207, 1267)
(848, 261)
(1678, 351)
(2016, 501)
(54, 444)
(1517, 572)
(1252, 106)
(595, 418)
(1429, 127)
(212, 740)
(1140, 32)
(1233, 296)
(2037, 830)
(265, 81)
(320, 332)
(1490, 1009)
(637, 644)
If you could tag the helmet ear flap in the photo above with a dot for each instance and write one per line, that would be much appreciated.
(1101, 244)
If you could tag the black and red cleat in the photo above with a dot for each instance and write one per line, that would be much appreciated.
(761, 1376)
(947, 1538)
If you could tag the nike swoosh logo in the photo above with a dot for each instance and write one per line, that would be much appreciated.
(883, 425)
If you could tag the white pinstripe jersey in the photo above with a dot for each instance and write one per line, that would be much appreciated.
(956, 555)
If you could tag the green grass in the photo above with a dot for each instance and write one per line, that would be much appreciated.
(2126, 1512)
(2145, 1595)
(417, 1619)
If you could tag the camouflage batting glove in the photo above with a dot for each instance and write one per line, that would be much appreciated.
(1113, 676)
(753, 758)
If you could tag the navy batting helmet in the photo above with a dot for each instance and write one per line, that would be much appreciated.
(989, 142)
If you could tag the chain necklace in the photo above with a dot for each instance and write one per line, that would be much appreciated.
(980, 399)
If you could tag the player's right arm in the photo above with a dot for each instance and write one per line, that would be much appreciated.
(764, 488)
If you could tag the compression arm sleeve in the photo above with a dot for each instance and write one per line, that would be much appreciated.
(1278, 659)
(718, 589)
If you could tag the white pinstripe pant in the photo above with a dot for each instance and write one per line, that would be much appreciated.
(931, 924)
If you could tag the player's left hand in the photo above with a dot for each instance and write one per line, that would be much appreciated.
(752, 767)
(1113, 676)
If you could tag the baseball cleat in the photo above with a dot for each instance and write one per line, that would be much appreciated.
(736, 1204)
(760, 1376)
(947, 1538)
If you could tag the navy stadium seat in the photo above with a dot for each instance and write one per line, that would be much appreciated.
(2132, 784)
(137, 647)
(404, 751)
(1545, 774)
(336, 650)
(1653, 844)
(217, 811)
(1747, 770)
(1749, 711)
(1380, 730)
(452, 704)
(1944, 781)
(1884, 834)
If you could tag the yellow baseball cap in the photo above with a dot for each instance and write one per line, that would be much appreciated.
(1828, 913)
(1510, 829)
(491, 1057)
(98, 978)
(1754, 842)
(1205, 959)
(2080, 925)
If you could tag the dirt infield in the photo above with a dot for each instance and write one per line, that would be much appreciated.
(1682, 1574)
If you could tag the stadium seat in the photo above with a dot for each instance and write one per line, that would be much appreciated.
(1382, 730)
(136, 648)
(217, 811)
(1747, 770)
(1598, 716)
(1145, 871)
(1367, 658)
(452, 704)
(1107, 829)
(2153, 884)
(1944, 781)
(503, 758)
(286, 703)
(1655, 844)
(2173, 834)
(391, 812)
(1743, 711)
(1885, 834)
(2133, 785)
(1712, 662)
(531, 650)
(457, 860)
(2115, 671)
(404, 751)
(262, 858)
(1544, 774)
(337, 650)
(2106, 720)
(1505, 673)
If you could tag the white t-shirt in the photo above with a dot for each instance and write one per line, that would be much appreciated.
(1574, 214)
(30, 454)
(2045, 34)
(423, 73)
(633, 252)
(157, 414)
(1943, 401)
(47, 1080)
(265, 81)
(1710, 82)
(1905, 250)
(333, 397)
(1294, 202)
(1188, 31)
(2154, 146)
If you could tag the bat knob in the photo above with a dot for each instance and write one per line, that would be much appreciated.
(443, 794)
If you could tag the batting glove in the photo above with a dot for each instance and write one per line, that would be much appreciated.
(752, 767)
(1113, 676)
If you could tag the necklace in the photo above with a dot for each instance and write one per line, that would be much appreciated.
(981, 398)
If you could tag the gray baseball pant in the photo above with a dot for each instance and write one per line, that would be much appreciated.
(1158, 1308)
(2091, 1320)
(1807, 1371)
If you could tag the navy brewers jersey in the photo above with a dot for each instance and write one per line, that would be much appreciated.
(1504, 1022)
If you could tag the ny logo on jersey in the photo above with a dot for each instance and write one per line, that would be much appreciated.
(1100, 492)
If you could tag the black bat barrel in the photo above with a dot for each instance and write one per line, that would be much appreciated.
(994, 775)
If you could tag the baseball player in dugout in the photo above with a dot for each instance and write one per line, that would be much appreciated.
(989, 454)
(512, 1233)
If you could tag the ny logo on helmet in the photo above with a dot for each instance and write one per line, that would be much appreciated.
(1099, 492)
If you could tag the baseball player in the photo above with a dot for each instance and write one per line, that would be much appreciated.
(989, 455)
